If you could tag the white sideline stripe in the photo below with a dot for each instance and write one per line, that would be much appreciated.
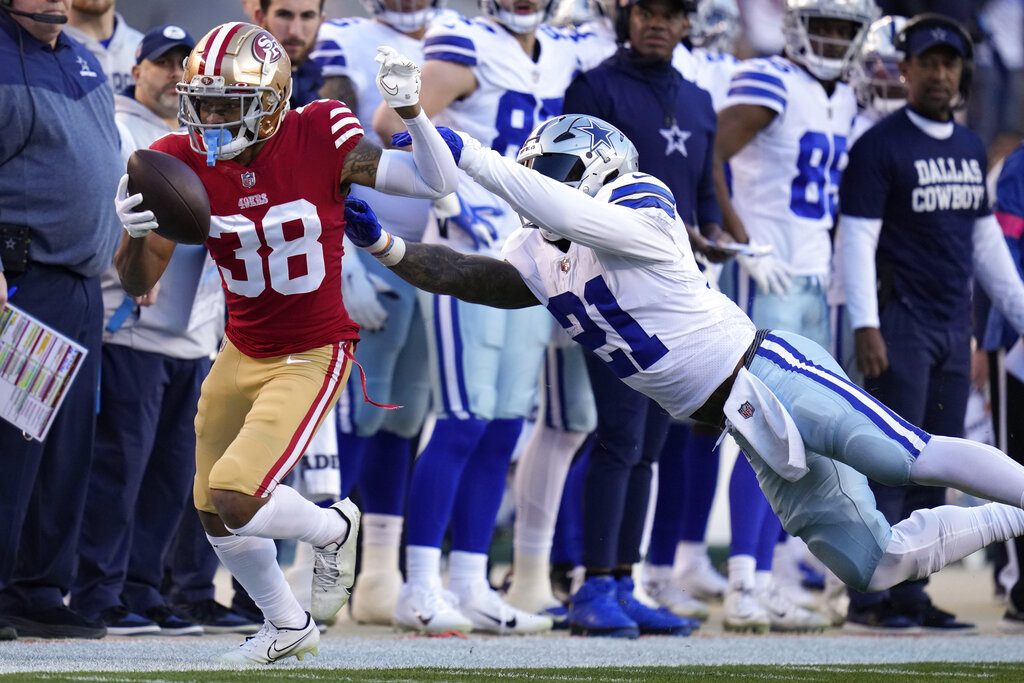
(218, 40)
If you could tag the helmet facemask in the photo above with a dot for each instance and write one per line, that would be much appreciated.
(406, 21)
(825, 57)
(239, 63)
(874, 73)
(514, 22)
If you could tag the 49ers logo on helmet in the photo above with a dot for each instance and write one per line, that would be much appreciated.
(265, 48)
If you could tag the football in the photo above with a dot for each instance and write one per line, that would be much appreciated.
(173, 192)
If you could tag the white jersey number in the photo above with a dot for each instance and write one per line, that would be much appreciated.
(288, 256)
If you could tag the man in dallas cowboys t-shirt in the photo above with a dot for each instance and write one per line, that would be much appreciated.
(916, 221)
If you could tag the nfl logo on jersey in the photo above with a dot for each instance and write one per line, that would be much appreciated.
(248, 179)
(746, 410)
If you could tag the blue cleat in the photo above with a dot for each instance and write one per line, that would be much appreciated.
(594, 610)
(559, 616)
(649, 620)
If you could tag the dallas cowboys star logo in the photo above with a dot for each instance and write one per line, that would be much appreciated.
(85, 69)
(598, 135)
(675, 139)
(9, 244)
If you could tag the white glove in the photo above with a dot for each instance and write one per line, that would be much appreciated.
(398, 79)
(771, 274)
(359, 292)
(136, 223)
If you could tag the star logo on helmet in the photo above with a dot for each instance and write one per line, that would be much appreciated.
(598, 135)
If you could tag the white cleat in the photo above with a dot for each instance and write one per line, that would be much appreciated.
(375, 596)
(334, 567)
(490, 614)
(429, 609)
(787, 616)
(271, 643)
(744, 613)
(701, 580)
(670, 596)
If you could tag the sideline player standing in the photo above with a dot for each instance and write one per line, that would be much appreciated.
(783, 130)
(378, 444)
(617, 277)
(276, 236)
(495, 75)
(916, 227)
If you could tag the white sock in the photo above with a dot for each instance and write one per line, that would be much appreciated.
(972, 467)
(467, 571)
(378, 529)
(762, 580)
(423, 565)
(687, 553)
(931, 538)
(531, 571)
(741, 572)
(540, 477)
(379, 558)
(253, 561)
(657, 573)
(288, 515)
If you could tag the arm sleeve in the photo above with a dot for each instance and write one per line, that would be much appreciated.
(430, 170)
(996, 271)
(574, 215)
(859, 240)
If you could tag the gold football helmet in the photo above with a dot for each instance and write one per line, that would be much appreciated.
(240, 71)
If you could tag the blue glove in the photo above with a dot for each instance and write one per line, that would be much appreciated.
(450, 137)
(473, 220)
(361, 224)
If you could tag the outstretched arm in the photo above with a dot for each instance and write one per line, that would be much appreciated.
(470, 277)
(436, 268)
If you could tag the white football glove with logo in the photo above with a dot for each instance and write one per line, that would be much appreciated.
(359, 291)
(772, 275)
(136, 223)
(398, 79)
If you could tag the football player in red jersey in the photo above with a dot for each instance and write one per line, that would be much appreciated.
(277, 182)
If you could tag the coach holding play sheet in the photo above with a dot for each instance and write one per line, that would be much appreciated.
(59, 166)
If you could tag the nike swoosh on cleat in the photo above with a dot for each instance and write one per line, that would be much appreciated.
(274, 654)
(424, 620)
(511, 623)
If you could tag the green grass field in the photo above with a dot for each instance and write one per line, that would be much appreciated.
(908, 673)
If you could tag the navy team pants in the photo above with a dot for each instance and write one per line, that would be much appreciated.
(927, 383)
(142, 477)
(42, 490)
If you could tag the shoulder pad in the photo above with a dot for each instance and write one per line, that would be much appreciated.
(639, 191)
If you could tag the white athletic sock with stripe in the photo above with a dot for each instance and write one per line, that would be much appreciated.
(288, 515)
(971, 467)
(253, 561)
(931, 538)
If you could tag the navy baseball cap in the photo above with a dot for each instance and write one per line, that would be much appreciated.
(926, 37)
(161, 39)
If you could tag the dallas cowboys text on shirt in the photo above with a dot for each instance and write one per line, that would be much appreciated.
(946, 183)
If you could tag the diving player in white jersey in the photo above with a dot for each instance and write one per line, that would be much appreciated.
(496, 75)
(375, 442)
(783, 131)
(600, 252)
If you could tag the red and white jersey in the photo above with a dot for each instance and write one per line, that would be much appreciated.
(276, 231)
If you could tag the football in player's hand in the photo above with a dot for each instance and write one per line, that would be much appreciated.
(173, 192)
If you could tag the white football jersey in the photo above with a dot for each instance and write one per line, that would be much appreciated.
(714, 71)
(513, 95)
(600, 47)
(117, 56)
(648, 312)
(347, 47)
(785, 182)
